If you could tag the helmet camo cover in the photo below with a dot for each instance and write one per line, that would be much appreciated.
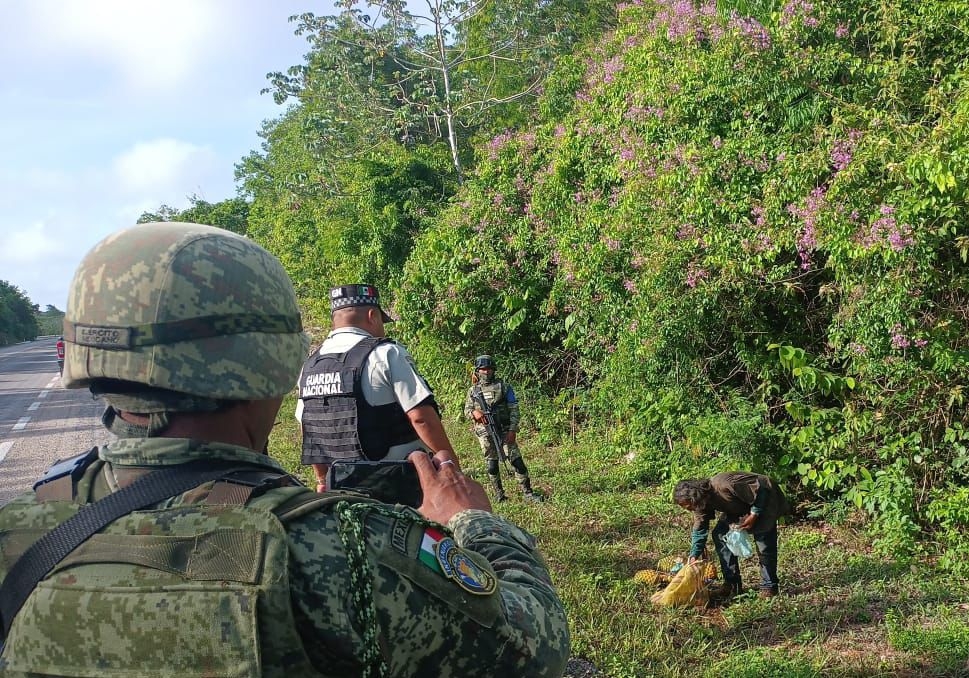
(184, 307)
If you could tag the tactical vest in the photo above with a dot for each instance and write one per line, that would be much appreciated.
(494, 395)
(338, 422)
(190, 591)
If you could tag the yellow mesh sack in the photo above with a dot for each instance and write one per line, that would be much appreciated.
(687, 588)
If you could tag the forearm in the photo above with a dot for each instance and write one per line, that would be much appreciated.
(698, 542)
(760, 501)
(320, 471)
(513, 416)
(534, 619)
(698, 537)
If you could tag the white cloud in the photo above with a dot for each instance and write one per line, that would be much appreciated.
(160, 166)
(119, 106)
(152, 45)
(29, 245)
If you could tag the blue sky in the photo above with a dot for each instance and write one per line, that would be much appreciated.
(109, 108)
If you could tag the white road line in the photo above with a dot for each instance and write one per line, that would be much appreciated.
(4, 448)
(52, 382)
(43, 394)
(21, 424)
(33, 406)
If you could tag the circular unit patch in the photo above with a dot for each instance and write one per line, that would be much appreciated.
(457, 565)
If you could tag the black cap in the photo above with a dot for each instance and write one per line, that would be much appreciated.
(346, 296)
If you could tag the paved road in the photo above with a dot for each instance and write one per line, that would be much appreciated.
(40, 421)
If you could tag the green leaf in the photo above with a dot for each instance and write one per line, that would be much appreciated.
(516, 319)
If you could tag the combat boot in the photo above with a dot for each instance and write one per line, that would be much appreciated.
(500, 495)
(530, 494)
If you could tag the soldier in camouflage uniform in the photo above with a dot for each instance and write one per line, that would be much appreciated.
(501, 400)
(192, 336)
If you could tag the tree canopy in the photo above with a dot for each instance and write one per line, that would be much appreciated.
(17, 322)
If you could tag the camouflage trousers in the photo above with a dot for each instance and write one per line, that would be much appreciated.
(511, 449)
(514, 459)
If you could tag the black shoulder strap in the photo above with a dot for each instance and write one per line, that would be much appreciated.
(357, 356)
(54, 546)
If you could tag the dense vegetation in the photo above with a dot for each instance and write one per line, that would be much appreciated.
(17, 321)
(722, 239)
(50, 321)
(697, 236)
(717, 236)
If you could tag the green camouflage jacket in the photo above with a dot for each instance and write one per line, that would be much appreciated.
(502, 400)
(197, 587)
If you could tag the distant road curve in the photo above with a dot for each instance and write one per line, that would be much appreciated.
(40, 420)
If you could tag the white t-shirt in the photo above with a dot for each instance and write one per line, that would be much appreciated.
(389, 375)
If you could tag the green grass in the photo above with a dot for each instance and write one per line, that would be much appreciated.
(844, 611)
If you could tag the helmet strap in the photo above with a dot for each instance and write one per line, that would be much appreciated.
(119, 426)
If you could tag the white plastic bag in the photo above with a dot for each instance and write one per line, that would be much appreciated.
(738, 541)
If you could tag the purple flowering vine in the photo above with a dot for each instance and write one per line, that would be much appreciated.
(499, 142)
(807, 242)
(802, 9)
(694, 274)
(843, 150)
(887, 229)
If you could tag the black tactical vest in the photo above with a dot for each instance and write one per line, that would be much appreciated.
(338, 422)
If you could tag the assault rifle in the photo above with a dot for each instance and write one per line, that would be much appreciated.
(491, 424)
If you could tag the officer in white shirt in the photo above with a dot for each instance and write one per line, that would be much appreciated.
(361, 396)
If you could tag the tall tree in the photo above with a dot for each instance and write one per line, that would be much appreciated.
(17, 322)
(427, 73)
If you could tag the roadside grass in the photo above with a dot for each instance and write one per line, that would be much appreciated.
(844, 612)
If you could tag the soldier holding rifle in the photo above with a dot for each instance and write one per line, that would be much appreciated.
(493, 406)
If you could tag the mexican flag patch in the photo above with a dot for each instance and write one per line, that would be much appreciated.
(428, 553)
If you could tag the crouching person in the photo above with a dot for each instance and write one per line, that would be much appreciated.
(749, 500)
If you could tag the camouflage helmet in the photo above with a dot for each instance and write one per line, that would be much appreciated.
(484, 362)
(186, 308)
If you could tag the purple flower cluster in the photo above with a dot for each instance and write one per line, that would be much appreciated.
(694, 274)
(641, 112)
(886, 228)
(686, 231)
(630, 286)
(844, 149)
(612, 244)
(610, 68)
(808, 214)
(499, 142)
(751, 29)
(841, 31)
(685, 19)
(798, 8)
(900, 341)
(757, 212)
